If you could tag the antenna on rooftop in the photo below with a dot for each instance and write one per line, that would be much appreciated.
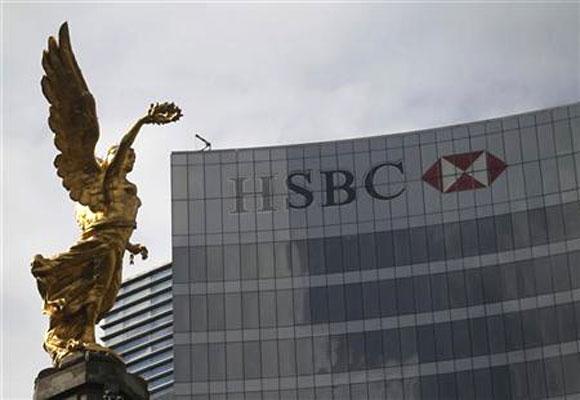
(207, 144)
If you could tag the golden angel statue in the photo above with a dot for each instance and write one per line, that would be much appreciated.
(79, 286)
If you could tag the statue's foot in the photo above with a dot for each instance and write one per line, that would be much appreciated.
(97, 348)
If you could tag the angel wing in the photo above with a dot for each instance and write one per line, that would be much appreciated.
(73, 119)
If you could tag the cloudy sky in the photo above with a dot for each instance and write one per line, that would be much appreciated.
(248, 75)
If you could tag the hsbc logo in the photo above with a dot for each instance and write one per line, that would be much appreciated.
(466, 171)
(339, 187)
(451, 173)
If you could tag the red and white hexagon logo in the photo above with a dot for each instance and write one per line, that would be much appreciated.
(466, 171)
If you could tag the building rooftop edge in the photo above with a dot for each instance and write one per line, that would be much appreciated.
(147, 273)
(371, 136)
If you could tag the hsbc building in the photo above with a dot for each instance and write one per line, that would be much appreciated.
(440, 264)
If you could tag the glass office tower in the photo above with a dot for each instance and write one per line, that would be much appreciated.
(441, 264)
(140, 329)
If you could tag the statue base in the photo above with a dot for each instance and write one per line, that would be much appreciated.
(90, 376)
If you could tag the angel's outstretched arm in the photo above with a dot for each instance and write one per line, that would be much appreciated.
(157, 114)
(123, 148)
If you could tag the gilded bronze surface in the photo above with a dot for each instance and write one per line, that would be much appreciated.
(80, 285)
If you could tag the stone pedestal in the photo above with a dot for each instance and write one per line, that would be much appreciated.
(90, 376)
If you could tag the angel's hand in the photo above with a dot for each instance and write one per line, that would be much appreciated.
(135, 249)
(163, 113)
(144, 252)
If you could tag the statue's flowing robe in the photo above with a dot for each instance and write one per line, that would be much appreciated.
(87, 276)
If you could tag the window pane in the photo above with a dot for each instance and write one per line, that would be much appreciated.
(536, 379)
(469, 238)
(215, 266)
(233, 311)
(249, 261)
(250, 309)
(531, 330)
(554, 377)
(401, 242)
(526, 280)
(266, 260)
(495, 328)
(267, 309)
(392, 347)
(321, 351)
(367, 251)
(426, 343)
(439, 292)
(422, 293)
(316, 257)
(199, 309)
(452, 240)
(199, 362)
(287, 358)
(479, 342)
(408, 337)
(350, 253)
(537, 224)
(384, 243)
(482, 380)
(418, 242)
(302, 306)
(435, 242)
(232, 262)
(284, 303)
(513, 331)
(565, 315)
(269, 358)
(299, 250)
(339, 354)
(356, 346)
(283, 260)
(465, 385)
(198, 264)
(354, 298)
(456, 284)
(491, 279)
(235, 361)
(304, 357)
(216, 361)
(387, 298)
(371, 303)
(521, 232)
(461, 343)
(252, 360)
(446, 384)
(443, 341)
(374, 349)
(405, 300)
(318, 304)
(216, 312)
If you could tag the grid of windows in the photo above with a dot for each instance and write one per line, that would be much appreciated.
(139, 329)
(337, 271)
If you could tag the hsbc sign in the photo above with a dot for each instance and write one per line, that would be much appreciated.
(338, 189)
(466, 171)
(451, 173)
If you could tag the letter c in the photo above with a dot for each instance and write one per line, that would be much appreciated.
(370, 181)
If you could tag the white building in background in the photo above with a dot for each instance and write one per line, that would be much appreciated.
(140, 329)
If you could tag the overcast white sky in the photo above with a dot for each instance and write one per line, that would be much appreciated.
(248, 75)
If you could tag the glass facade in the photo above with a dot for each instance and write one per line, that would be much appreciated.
(140, 329)
(441, 264)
